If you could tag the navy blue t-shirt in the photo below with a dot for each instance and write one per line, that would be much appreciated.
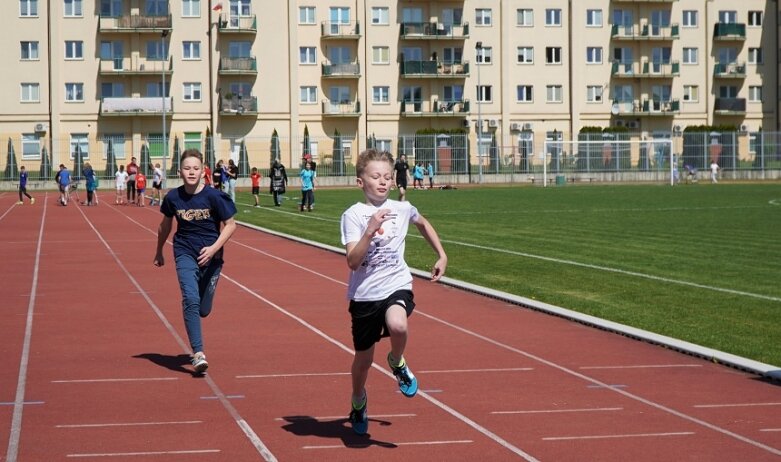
(198, 218)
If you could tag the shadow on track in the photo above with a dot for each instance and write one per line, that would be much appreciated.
(174, 363)
(302, 425)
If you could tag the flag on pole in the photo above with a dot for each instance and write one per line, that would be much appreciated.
(217, 7)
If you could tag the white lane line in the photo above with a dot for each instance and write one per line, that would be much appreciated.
(458, 371)
(337, 417)
(556, 411)
(260, 447)
(617, 385)
(26, 403)
(770, 429)
(641, 366)
(735, 405)
(128, 424)
(600, 437)
(21, 383)
(127, 379)
(277, 376)
(147, 453)
(408, 443)
(226, 396)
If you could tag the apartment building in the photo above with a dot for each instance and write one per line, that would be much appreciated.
(82, 73)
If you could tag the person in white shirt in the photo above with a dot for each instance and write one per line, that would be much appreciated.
(121, 177)
(714, 172)
(380, 286)
(157, 185)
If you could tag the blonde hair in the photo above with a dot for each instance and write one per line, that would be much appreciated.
(371, 155)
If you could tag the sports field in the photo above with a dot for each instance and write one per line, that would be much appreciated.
(696, 262)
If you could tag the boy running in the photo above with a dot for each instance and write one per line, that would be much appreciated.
(380, 286)
(23, 187)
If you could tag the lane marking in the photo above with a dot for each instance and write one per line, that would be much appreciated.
(277, 376)
(24, 360)
(26, 403)
(556, 411)
(226, 396)
(129, 379)
(618, 385)
(408, 443)
(770, 429)
(147, 453)
(735, 405)
(128, 424)
(600, 437)
(337, 417)
(459, 371)
(642, 366)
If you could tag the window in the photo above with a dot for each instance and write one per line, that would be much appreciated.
(306, 15)
(241, 49)
(594, 55)
(74, 92)
(156, 50)
(74, 49)
(28, 8)
(380, 15)
(483, 16)
(524, 93)
(117, 143)
(191, 50)
(690, 55)
(191, 8)
(755, 56)
(29, 51)
(728, 17)
(31, 146)
(554, 93)
(31, 92)
(552, 17)
(525, 55)
(380, 55)
(381, 94)
(111, 8)
(156, 7)
(191, 91)
(308, 95)
(755, 93)
(594, 93)
(383, 145)
(112, 90)
(192, 140)
(690, 18)
(453, 93)
(691, 93)
(553, 55)
(525, 17)
(72, 8)
(623, 93)
(339, 94)
(241, 89)
(155, 89)
(79, 141)
(594, 18)
(484, 94)
(728, 91)
(307, 55)
(755, 18)
(483, 55)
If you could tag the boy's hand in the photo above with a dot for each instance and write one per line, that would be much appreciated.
(376, 221)
(159, 260)
(439, 269)
(206, 255)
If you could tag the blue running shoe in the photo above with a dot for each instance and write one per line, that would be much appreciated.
(408, 384)
(359, 418)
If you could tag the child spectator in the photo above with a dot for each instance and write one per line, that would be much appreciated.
(121, 180)
(140, 188)
(255, 177)
(307, 187)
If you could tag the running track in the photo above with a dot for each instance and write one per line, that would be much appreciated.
(95, 364)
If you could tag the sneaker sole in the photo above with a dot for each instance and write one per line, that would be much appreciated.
(201, 368)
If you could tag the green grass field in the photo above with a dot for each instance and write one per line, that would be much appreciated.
(696, 262)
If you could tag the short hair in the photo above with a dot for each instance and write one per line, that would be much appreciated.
(191, 153)
(371, 155)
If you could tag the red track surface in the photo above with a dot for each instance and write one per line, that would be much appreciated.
(105, 371)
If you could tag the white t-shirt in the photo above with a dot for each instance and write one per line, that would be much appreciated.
(157, 175)
(714, 168)
(383, 270)
(121, 179)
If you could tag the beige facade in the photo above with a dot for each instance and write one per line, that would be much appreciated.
(87, 71)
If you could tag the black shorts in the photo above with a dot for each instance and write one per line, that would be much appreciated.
(156, 185)
(255, 190)
(401, 183)
(368, 318)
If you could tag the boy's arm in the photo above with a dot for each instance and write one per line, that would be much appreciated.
(431, 236)
(228, 227)
(162, 235)
(356, 251)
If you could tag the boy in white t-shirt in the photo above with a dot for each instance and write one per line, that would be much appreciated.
(380, 287)
(121, 177)
(714, 172)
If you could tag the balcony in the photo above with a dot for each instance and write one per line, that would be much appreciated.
(435, 108)
(645, 32)
(730, 70)
(340, 30)
(341, 71)
(238, 24)
(434, 31)
(344, 108)
(645, 1)
(135, 106)
(730, 106)
(645, 69)
(729, 31)
(238, 105)
(238, 66)
(135, 66)
(135, 23)
(434, 69)
(647, 108)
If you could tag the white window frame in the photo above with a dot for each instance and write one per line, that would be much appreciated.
(192, 92)
(72, 9)
(594, 18)
(688, 53)
(524, 94)
(82, 140)
(307, 15)
(380, 16)
(595, 93)
(31, 146)
(28, 8)
(381, 94)
(756, 56)
(524, 17)
(484, 55)
(755, 93)
(74, 50)
(191, 8)
(755, 18)
(32, 47)
(191, 50)
(74, 92)
(483, 17)
(30, 92)
(525, 55)
(594, 55)
(556, 58)
(484, 94)
(553, 17)
(690, 18)
(381, 55)
(307, 94)
(554, 93)
(691, 93)
(307, 55)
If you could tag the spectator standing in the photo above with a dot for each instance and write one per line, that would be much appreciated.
(132, 171)
(278, 183)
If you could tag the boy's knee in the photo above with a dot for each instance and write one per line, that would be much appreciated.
(397, 327)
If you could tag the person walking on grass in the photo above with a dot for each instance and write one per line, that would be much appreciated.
(380, 285)
(255, 178)
(205, 223)
(23, 187)
(307, 187)
(401, 175)
(278, 183)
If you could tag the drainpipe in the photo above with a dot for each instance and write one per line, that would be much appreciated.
(569, 71)
(50, 116)
(211, 74)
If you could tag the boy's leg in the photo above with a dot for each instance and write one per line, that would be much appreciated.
(207, 285)
(359, 418)
(187, 272)
(396, 322)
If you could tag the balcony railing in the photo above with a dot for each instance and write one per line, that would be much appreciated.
(340, 30)
(238, 24)
(434, 69)
(645, 1)
(135, 23)
(730, 70)
(648, 107)
(135, 106)
(729, 31)
(727, 106)
(127, 66)
(239, 105)
(245, 65)
(342, 70)
(345, 108)
(645, 69)
(434, 31)
(644, 32)
(435, 108)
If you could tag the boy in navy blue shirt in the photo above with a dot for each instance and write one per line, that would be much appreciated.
(23, 186)
(204, 218)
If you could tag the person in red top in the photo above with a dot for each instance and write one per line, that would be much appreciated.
(207, 175)
(132, 171)
(255, 177)
(140, 187)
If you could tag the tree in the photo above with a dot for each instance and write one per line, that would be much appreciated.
(338, 154)
(208, 157)
(175, 161)
(243, 160)
(46, 165)
(275, 150)
(111, 160)
(307, 149)
(11, 169)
